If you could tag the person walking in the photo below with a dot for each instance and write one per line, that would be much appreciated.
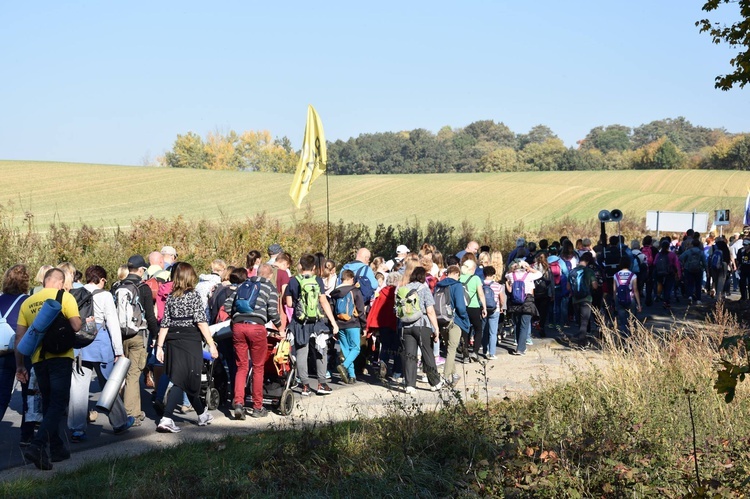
(519, 287)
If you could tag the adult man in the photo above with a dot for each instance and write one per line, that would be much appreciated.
(362, 272)
(401, 252)
(156, 267)
(273, 251)
(169, 255)
(743, 264)
(307, 324)
(471, 247)
(582, 282)
(586, 247)
(53, 372)
(249, 334)
(133, 347)
(460, 325)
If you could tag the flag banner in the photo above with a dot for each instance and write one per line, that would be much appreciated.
(312, 160)
(747, 209)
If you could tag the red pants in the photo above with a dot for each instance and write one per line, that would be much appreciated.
(252, 337)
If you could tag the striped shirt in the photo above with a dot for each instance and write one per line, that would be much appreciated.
(266, 305)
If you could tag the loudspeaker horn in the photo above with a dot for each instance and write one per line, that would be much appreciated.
(615, 215)
(604, 216)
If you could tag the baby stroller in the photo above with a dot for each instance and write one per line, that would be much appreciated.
(214, 382)
(507, 334)
(279, 372)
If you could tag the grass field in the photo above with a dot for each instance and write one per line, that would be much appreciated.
(105, 195)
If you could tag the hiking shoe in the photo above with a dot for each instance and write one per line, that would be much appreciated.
(306, 390)
(205, 419)
(324, 389)
(437, 387)
(166, 425)
(259, 413)
(60, 454)
(352, 380)
(78, 436)
(439, 361)
(39, 456)
(239, 412)
(343, 373)
(130, 421)
(410, 390)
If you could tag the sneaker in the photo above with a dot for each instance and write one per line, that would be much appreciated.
(39, 456)
(328, 375)
(306, 390)
(437, 387)
(239, 412)
(130, 421)
(324, 389)
(352, 380)
(439, 361)
(455, 378)
(259, 413)
(529, 342)
(343, 373)
(699, 302)
(205, 419)
(410, 390)
(516, 352)
(78, 437)
(166, 425)
(423, 379)
(59, 454)
(491, 357)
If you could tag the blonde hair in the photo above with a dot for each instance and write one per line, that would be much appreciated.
(40, 275)
(496, 260)
(410, 263)
(70, 271)
(426, 262)
(484, 258)
(218, 266)
(122, 272)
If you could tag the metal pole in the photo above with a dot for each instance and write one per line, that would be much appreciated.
(328, 220)
(658, 236)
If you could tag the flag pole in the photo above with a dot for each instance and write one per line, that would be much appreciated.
(328, 221)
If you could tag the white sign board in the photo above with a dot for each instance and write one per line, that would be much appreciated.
(721, 217)
(676, 221)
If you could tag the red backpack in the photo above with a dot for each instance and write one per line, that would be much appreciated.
(554, 268)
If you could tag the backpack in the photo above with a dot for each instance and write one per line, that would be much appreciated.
(130, 311)
(661, 265)
(246, 296)
(443, 306)
(84, 299)
(344, 308)
(365, 286)
(579, 284)
(694, 262)
(717, 259)
(153, 284)
(642, 261)
(612, 257)
(489, 298)
(307, 308)
(7, 334)
(518, 290)
(408, 307)
(623, 290)
(541, 285)
(59, 337)
(554, 268)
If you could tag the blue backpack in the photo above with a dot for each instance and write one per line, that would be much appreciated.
(489, 298)
(518, 290)
(364, 284)
(717, 259)
(344, 307)
(579, 284)
(246, 296)
(623, 289)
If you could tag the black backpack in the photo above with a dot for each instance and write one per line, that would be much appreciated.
(59, 336)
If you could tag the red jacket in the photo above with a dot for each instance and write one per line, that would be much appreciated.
(382, 313)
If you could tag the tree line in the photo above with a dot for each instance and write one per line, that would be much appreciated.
(482, 146)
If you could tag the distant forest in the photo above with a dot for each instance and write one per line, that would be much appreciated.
(482, 146)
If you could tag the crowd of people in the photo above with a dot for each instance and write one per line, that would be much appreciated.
(406, 319)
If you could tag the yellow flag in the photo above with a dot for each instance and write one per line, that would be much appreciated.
(312, 161)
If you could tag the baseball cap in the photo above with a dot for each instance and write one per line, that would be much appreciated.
(137, 262)
(401, 248)
(168, 250)
(274, 249)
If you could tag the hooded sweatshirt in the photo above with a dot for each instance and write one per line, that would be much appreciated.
(359, 306)
(458, 302)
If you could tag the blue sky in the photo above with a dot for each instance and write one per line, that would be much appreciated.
(106, 83)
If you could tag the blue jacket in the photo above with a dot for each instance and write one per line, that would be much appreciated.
(354, 267)
(458, 302)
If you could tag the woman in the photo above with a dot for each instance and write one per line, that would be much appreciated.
(666, 271)
(179, 344)
(99, 356)
(329, 276)
(420, 335)
(521, 311)
(718, 267)
(251, 263)
(627, 297)
(40, 278)
(544, 289)
(15, 289)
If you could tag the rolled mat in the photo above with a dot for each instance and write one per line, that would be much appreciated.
(111, 389)
(35, 333)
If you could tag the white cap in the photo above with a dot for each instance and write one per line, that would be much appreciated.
(401, 249)
(168, 250)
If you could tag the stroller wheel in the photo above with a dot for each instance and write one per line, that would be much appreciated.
(213, 399)
(286, 402)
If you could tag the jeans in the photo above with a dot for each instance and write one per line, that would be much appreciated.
(623, 316)
(414, 338)
(78, 407)
(349, 342)
(719, 277)
(390, 347)
(7, 381)
(452, 335)
(693, 282)
(53, 376)
(253, 338)
(523, 330)
(667, 283)
(133, 349)
(302, 355)
(490, 333)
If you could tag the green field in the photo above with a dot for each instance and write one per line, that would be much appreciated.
(105, 196)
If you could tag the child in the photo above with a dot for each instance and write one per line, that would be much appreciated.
(492, 287)
(350, 318)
